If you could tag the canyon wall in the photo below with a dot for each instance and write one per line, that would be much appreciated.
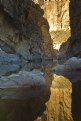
(23, 30)
(73, 46)
(56, 12)
(25, 25)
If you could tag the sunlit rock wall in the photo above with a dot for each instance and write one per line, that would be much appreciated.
(56, 12)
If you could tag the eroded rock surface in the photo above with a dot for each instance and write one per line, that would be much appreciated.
(73, 45)
(23, 29)
(58, 106)
(56, 12)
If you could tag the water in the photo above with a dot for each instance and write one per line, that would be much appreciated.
(60, 100)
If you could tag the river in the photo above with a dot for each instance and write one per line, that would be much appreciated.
(60, 100)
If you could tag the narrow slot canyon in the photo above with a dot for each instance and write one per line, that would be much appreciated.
(40, 60)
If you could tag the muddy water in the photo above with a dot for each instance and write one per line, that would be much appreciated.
(60, 101)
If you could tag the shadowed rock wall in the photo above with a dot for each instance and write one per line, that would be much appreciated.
(23, 30)
(73, 46)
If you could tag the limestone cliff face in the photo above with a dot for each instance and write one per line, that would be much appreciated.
(56, 12)
(22, 28)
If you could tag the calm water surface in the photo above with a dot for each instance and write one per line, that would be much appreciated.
(60, 101)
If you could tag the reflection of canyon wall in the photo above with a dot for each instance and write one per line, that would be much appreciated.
(58, 107)
(56, 12)
(59, 104)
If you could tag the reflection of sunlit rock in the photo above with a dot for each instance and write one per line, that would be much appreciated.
(60, 82)
(37, 104)
(58, 107)
(59, 104)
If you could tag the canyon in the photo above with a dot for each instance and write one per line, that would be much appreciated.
(56, 12)
(35, 29)
(35, 35)
(30, 29)
(23, 30)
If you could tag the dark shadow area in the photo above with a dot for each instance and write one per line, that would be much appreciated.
(76, 100)
(73, 45)
(73, 48)
(75, 78)
(27, 104)
(24, 110)
(38, 32)
(26, 32)
(75, 23)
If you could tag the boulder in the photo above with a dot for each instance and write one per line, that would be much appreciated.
(71, 64)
